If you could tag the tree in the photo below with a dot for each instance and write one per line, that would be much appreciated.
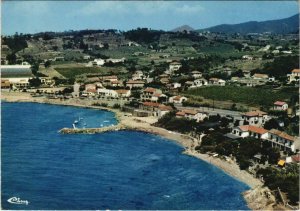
(272, 124)
(47, 64)
(34, 82)
(105, 46)
(35, 68)
(11, 58)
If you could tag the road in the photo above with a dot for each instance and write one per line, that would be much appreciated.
(214, 111)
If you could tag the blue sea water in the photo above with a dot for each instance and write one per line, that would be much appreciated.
(114, 170)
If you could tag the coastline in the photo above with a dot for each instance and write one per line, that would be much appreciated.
(143, 124)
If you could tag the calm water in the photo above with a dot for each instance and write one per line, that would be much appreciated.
(116, 170)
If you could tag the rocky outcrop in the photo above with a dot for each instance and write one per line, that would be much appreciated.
(260, 198)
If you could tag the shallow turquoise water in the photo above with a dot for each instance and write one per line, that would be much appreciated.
(115, 170)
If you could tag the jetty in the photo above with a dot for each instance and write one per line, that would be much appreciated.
(93, 130)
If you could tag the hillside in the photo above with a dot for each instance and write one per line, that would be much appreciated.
(281, 26)
(183, 28)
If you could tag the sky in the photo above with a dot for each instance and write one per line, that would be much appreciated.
(39, 16)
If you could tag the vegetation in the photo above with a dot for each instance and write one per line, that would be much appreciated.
(16, 42)
(286, 179)
(248, 95)
(73, 72)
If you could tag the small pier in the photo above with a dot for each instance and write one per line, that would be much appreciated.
(92, 130)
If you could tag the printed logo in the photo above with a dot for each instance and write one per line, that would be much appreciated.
(15, 200)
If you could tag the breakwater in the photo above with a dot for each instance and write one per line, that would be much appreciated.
(93, 130)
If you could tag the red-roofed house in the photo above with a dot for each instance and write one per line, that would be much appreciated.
(280, 106)
(282, 140)
(177, 99)
(257, 118)
(123, 93)
(192, 114)
(151, 94)
(250, 130)
(163, 109)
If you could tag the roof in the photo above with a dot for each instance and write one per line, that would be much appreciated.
(255, 113)
(151, 104)
(296, 158)
(282, 134)
(253, 129)
(192, 112)
(122, 91)
(165, 108)
(14, 71)
(279, 103)
(258, 75)
(135, 82)
(177, 97)
(110, 77)
(175, 63)
(91, 90)
(296, 71)
(180, 113)
(149, 89)
(281, 163)
(116, 82)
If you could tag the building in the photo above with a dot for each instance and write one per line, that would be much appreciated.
(294, 75)
(173, 67)
(17, 75)
(109, 78)
(135, 84)
(123, 93)
(163, 109)
(192, 115)
(250, 131)
(282, 140)
(138, 75)
(47, 81)
(177, 99)
(196, 74)
(151, 94)
(280, 106)
(107, 92)
(200, 82)
(257, 118)
(5, 84)
(217, 81)
(258, 76)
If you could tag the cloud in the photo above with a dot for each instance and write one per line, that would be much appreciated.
(24, 8)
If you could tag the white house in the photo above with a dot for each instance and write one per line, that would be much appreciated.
(137, 84)
(280, 106)
(163, 109)
(283, 141)
(174, 66)
(138, 75)
(176, 85)
(294, 76)
(151, 94)
(192, 115)
(200, 82)
(177, 99)
(250, 131)
(217, 81)
(196, 74)
(107, 92)
(257, 118)
(123, 93)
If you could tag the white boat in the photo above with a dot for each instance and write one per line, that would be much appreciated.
(76, 122)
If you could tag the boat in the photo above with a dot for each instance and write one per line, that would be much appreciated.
(76, 122)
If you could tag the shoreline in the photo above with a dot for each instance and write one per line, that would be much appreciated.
(143, 124)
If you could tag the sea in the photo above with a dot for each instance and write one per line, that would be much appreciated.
(119, 170)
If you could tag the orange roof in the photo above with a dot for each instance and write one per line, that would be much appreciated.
(253, 129)
(296, 71)
(258, 75)
(165, 108)
(91, 90)
(149, 89)
(280, 103)
(177, 97)
(255, 113)
(192, 112)
(135, 82)
(115, 82)
(110, 77)
(282, 134)
(151, 104)
(180, 113)
(213, 79)
(296, 158)
(122, 91)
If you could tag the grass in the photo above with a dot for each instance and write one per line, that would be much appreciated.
(75, 71)
(248, 95)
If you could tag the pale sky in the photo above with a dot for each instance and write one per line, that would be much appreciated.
(39, 16)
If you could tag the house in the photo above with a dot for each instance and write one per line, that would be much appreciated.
(196, 74)
(97, 62)
(107, 92)
(123, 93)
(177, 99)
(138, 75)
(294, 76)
(90, 86)
(176, 85)
(149, 92)
(116, 83)
(200, 82)
(149, 106)
(280, 106)
(109, 78)
(257, 118)
(47, 81)
(173, 67)
(244, 131)
(5, 84)
(282, 140)
(217, 81)
(247, 57)
(163, 109)
(86, 57)
(135, 84)
(258, 76)
(192, 115)
(90, 92)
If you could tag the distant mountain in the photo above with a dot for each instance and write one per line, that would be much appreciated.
(281, 26)
(183, 28)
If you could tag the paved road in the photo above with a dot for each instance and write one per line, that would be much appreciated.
(215, 111)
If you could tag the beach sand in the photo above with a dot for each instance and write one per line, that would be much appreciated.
(189, 143)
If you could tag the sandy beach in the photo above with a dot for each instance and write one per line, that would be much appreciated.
(144, 124)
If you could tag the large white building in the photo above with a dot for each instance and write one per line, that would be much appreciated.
(17, 75)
